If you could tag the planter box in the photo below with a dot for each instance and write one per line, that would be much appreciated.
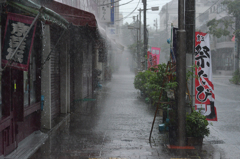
(196, 142)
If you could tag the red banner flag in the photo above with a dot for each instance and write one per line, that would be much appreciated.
(204, 89)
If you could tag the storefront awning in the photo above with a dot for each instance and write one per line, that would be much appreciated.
(73, 15)
(46, 14)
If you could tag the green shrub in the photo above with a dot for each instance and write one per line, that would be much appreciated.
(236, 78)
(150, 82)
(196, 125)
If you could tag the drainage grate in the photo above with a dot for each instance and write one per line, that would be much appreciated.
(216, 142)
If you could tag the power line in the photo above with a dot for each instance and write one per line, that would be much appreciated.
(124, 3)
(116, 2)
(109, 3)
(130, 13)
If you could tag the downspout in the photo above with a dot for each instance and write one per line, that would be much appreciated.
(1, 70)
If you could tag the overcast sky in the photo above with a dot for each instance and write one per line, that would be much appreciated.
(151, 15)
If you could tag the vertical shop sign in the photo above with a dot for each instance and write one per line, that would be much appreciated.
(16, 27)
(105, 11)
(173, 50)
(112, 11)
(204, 89)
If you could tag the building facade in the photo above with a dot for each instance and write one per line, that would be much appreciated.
(44, 74)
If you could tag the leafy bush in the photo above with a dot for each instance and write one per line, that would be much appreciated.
(151, 82)
(196, 125)
(236, 77)
(141, 80)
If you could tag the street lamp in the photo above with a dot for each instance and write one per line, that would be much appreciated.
(145, 27)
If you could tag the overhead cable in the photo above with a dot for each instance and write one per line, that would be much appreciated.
(109, 3)
(124, 3)
(130, 13)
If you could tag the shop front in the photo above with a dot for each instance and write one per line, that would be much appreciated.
(40, 69)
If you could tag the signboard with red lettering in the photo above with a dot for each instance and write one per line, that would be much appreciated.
(204, 89)
(153, 57)
(16, 27)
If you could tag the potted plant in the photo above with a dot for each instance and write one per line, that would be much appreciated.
(196, 129)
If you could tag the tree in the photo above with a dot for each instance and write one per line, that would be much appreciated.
(221, 27)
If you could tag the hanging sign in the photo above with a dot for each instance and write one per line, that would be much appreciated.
(204, 89)
(153, 57)
(105, 11)
(16, 27)
(156, 52)
(112, 11)
(152, 60)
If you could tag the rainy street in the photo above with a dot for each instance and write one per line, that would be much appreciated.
(224, 134)
(120, 79)
(116, 125)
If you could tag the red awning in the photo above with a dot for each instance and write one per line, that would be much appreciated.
(73, 15)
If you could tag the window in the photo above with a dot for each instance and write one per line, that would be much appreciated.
(29, 79)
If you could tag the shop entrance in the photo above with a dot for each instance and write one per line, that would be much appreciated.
(12, 107)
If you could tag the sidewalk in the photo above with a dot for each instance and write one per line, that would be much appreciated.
(30, 145)
(116, 125)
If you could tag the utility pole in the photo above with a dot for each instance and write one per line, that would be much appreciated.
(167, 18)
(181, 74)
(145, 31)
(237, 43)
(190, 42)
(138, 52)
(156, 24)
(140, 19)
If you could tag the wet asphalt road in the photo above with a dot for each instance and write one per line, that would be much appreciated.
(225, 133)
(117, 124)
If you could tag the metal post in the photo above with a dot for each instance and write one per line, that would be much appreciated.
(237, 41)
(140, 19)
(0, 54)
(181, 74)
(145, 31)
(140, 50)
(190, 41)
(156, 25)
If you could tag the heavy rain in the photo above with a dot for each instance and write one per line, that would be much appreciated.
(120, 79)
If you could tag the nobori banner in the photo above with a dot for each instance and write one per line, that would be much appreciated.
(204, 89)
(16, 27)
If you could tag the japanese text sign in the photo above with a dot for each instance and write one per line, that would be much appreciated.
(204, 89)
(153, 57)
(16, 27)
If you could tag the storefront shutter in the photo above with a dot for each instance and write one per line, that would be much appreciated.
(55, 33)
